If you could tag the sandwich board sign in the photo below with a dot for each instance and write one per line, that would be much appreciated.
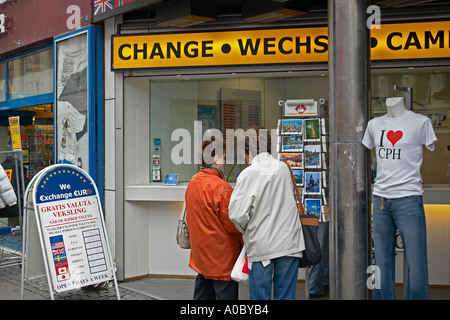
(71, 229)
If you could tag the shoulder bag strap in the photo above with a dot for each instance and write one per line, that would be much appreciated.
(183, 212)
(299, 199)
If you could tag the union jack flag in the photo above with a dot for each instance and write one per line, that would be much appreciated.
(101, 6)
(59, 251)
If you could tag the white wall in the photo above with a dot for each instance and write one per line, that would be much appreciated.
(136, 171)
(165, 257)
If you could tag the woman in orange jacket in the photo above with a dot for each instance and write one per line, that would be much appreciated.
(215, 241)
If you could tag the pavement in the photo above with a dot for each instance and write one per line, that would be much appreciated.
(169, 298)
(147, 288)
(38, 289)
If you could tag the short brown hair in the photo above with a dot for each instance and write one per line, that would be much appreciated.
(217, 148)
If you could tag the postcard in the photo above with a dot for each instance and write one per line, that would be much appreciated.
(292, 143)
(292, 126)
(295, 160)
(298, 176)
(312, 129)
(313, 207)
(312, 156)
(313, 183)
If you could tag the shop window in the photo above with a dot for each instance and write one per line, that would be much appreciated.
(179, 102)
(31, 75)
(36, 133)
(217, 103)
(431, 88)
(72, 136)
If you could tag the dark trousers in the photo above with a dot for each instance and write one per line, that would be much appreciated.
(209, 289)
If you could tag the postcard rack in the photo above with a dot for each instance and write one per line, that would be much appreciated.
(303, 144)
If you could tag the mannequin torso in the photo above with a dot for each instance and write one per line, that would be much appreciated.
(399, 137)
(395, 107)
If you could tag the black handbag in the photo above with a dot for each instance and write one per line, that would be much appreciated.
(312, 254)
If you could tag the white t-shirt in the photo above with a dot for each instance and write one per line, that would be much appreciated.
(399, 146)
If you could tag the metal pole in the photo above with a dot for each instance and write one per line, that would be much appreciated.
(19, 189)
(409, 104)
(409, 95)
(349, 79)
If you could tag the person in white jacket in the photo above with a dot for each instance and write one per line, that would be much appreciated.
(7, 195)
(264, 210)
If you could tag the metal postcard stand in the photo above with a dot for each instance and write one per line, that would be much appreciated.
(308, 109)
(20, 182)
(30, 205)
(409, 104)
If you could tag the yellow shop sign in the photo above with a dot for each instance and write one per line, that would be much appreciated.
(272, 46)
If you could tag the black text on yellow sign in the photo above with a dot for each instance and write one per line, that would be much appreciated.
(15, 133)
(272, 46)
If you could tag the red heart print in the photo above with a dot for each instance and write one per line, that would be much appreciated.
(393, 137)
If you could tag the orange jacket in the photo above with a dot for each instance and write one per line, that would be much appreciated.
(215, 241)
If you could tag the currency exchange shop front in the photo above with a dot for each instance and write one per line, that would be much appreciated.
(180, 85)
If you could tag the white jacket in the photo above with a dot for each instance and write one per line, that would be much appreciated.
(263, 209)
(7, 194)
